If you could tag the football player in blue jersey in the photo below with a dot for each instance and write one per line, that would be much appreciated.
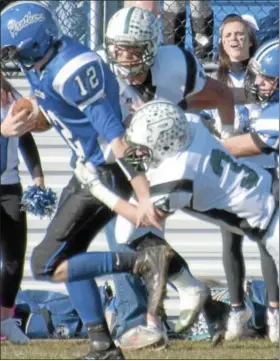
(77, 92)
(262, 142)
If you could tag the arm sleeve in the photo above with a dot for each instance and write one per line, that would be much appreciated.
(267, 142)
(84, 88)
(195, 74)
(30, 154)
(105, 120)
(265, 134)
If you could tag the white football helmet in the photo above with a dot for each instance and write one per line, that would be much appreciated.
(132, 27)
(158, 130)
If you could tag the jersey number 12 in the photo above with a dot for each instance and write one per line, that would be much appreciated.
(93, 80)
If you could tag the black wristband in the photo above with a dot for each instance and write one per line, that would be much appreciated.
(127, 168)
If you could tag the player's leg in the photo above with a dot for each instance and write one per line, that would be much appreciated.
(13, 246)
(131, 299)
(193, 293)
(49, 260)
(234, 267)
(270, 276)
(174, 22)
(271, 244)
(130, 303)
(202, 22)
(70, 233)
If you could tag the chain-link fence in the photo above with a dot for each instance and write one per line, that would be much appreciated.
(80, 19)
(195, 23)
(190, 23)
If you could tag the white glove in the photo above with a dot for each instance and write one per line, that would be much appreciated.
(88, 176)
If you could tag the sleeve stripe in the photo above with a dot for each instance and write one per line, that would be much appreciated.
(93, 99)
(263, 146)
(264, 124)
(70, 68)
(191, 70)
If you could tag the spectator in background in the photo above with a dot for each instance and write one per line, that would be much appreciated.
(237, 46)
(174, 22)
(14, 230)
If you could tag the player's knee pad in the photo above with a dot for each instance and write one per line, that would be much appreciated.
(151, 240)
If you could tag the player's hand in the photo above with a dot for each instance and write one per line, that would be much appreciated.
(148, 215)
(135, 105)
(39, 181)
(6, 98)
(17, 125)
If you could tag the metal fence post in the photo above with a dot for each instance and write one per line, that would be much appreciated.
(96, 23)
(110, 7)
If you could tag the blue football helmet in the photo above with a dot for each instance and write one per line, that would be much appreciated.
(265, 63)
(28, 30)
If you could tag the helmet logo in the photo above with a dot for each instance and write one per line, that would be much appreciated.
(15, 27)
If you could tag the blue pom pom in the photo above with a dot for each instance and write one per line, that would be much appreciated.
(39, 201)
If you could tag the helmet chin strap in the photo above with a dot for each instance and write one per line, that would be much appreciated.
(133, 71)
(41, 63)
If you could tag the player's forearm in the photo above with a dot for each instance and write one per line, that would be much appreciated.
(31, 155)
(226, 107)
(242, 146)
(141, 186)
(214, 95)
(126, 210)
(240, 97)
(138, 181)
(88, 176)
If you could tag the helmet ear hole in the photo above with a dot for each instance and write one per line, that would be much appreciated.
(35, 45)
(30, 27)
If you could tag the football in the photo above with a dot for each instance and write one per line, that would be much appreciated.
(30, 103)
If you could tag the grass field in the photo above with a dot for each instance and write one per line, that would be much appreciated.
(180, 350)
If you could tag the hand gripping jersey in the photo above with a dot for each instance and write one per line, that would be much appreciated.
(9, 152)
(77, 91)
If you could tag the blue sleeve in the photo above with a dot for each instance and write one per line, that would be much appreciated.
(4, 153)
(31, 155)
(94, 90)
(266, 140)
(266, 133)
(105, 120)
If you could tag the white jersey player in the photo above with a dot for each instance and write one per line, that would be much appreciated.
(206, 181)
(133, 51)
(147, 71)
